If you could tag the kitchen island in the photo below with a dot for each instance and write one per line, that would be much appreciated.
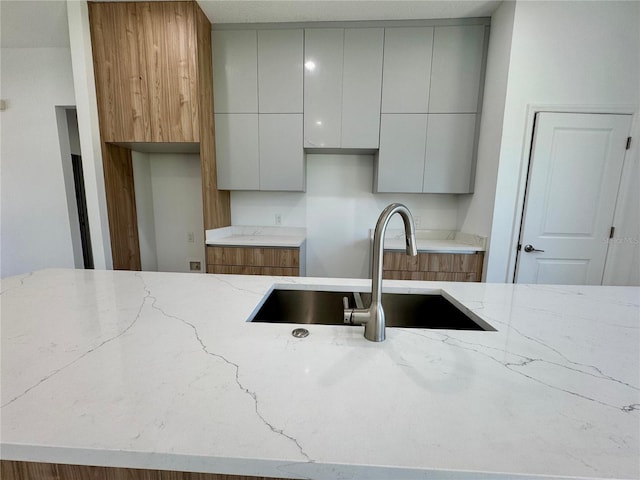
(162, 371)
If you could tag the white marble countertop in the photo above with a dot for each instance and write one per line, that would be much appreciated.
(159, 370)
(435, 241)
(256, 236)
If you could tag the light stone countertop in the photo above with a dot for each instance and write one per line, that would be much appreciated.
(435, 241)
(256, 236)
(162, 371)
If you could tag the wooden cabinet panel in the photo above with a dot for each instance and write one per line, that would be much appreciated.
(253, 261)
(169, 45)
(14, 470)
(119, 63)
(145, 70)
(216, 203)
(455, 267)
(121, 207)
(246, 270)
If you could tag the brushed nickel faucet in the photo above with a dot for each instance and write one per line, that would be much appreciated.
(373, 317)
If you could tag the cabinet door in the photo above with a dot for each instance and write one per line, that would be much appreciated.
(401, 155)
(281, 153)
(235, 76)
(169, 37)
(362, 87)
(456, 69)
(323, 55)
(449, 164)
(280, 55)
(406, 69)
(237, 151)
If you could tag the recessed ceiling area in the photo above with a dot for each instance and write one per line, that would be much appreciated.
(43, 23)
(263, 11)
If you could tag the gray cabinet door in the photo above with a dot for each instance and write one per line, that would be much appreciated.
(237, 154)
(406, 71)
(449, 157)
(281, 153)
(280, 57)
(401, 155)
(235, 76)
(362, 87)
(323, 56)
(456, 69)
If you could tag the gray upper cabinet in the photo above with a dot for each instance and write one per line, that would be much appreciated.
(342, 87)
(361, 87)
(323, 56)
(456, 69)
(436, 72)
(449, 153)
(407, 69)
(258, 102)
(280, 55)
(235, 76)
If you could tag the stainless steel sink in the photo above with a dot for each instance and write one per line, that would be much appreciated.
(401, 310)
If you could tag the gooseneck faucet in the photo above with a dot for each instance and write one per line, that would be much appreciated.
(373, 317)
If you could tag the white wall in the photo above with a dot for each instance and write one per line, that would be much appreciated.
(144, 211)
(35, 230)
(338, 210)
(168, 189)
(476, 211)
(574, 54)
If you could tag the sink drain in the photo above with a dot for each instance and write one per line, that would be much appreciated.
(300, 332)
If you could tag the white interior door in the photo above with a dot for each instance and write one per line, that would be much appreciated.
(574, 175)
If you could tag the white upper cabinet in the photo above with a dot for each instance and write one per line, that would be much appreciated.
(342, 87)
(235, 76)
(323, 52)
(361, 87)
(407, 69)
(280, 56)
(456, 69)
(449, 153)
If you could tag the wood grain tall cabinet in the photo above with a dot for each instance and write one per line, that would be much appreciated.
(154, 86)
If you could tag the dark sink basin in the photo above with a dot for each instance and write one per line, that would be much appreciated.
(401, 310)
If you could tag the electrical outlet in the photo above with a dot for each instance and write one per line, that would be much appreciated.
(278, 219)
(190, 237)
(195, 266)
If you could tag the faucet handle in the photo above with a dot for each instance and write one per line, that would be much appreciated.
(348, 312)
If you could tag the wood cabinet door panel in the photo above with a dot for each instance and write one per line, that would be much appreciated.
(118, 60)
(169, 41)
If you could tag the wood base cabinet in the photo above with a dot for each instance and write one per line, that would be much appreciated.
(254, 261)
(448, 267)
(13, 470)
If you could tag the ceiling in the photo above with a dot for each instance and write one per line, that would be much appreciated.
(257, 11)
(43, 23)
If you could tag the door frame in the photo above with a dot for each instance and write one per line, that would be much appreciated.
(525, 161)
